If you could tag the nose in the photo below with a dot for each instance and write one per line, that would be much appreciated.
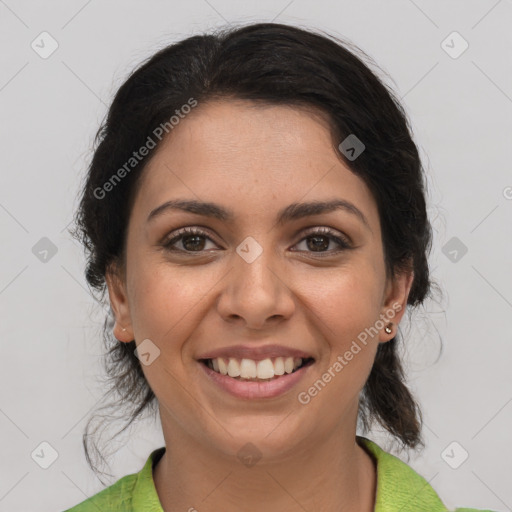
(256, 291)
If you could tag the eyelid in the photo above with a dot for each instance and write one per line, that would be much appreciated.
(344, 241)
(177, 234)
(328, 232)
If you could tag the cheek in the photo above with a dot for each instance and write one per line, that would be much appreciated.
(345, 301)
(165, 306)
(167, 299)
(345, 311)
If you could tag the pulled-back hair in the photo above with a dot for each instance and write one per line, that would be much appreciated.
(274, 64)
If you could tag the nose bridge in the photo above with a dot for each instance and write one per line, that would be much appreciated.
(255, 262)
(255, 291)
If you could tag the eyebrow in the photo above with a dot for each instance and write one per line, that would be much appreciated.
(291, 212)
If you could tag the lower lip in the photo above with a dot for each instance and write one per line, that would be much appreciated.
(254, 390)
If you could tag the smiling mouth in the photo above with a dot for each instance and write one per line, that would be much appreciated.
(265, 370)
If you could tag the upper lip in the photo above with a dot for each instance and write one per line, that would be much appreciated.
(255, 353)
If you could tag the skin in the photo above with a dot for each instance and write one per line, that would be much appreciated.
(255, 160)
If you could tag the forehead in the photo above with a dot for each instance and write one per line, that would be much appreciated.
(252, 158)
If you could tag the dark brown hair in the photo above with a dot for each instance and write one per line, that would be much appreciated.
(282, 65)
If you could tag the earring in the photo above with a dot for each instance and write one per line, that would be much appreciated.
(388, 329)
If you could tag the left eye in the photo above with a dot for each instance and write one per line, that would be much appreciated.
(190, 238)
(315, 237)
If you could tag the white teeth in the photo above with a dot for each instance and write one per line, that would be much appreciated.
(250, 369)
(265, 369)
(233, 368)
(279, 366)
(223, 367)
(288, 365)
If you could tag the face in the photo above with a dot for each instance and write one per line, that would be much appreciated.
(262, 284)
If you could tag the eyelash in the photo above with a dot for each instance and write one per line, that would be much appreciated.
(180, 234)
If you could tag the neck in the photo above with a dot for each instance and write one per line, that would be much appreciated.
(335, 475)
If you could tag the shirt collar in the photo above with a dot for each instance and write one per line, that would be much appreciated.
(145, 498)
(399, 487)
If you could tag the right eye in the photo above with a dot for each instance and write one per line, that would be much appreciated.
(189, 237)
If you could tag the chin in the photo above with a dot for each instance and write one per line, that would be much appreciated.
(266, 438)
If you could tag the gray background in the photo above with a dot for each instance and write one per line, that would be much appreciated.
(461, 113)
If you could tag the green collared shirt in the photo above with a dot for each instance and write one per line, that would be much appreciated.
(399, 488)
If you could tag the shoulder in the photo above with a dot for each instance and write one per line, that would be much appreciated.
(116, 497)
(134, 492)
(399, 487)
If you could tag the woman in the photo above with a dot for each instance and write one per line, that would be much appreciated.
(255, 209)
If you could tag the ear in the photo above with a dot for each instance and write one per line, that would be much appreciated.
(119, 303)
(395, 302)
